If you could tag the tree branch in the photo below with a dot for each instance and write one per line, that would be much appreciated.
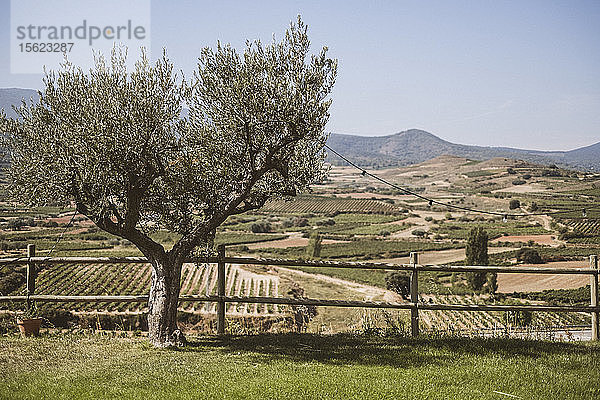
(191, 240)
(149, 247)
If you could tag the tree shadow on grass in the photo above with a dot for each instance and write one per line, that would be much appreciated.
(398, 352)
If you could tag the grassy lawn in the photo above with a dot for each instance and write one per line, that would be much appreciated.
(297, 367)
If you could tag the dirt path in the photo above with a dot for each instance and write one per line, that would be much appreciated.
(545, 220)
(368, 292)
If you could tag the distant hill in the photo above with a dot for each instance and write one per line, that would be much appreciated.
(415, 146)
(404, 148)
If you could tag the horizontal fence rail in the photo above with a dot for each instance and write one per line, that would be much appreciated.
(32, 262)
(306, 302)
(305, 263)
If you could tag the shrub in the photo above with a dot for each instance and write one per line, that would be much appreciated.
(49, 224)
(514, 204)
(551, 173)
(13, 245)
(533, 207)
(10, 282)
(511, 171)
(398, 282)
(529, 256)
(419, 233)
(300, 222)
(59, 318)
(518, 182)
(572, 235)
(301, 315)
(260, 227)
(325, 222)
(559, 296)
(526, 176)
(18, 223)
(517, 317)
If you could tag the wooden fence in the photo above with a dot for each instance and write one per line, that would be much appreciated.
(32, 262)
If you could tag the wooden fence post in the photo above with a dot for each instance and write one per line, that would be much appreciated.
(594, 297)
(221, 290)
(414, 295)
(31, 274)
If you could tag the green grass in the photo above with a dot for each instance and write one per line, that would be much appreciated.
(345, 223)
(363, 249)
(103, 243)
(479, 173)
(297, 367)
(569, 252)
(324, 205)
(565, 200)
(375, 229)
(238, 237)
(558, 296)
(460, 230)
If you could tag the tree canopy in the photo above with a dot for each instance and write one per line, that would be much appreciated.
(115, 142)
(477, 254)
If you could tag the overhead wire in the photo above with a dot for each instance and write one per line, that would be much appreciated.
(432, 201)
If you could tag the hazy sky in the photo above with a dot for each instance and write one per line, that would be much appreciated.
(521, 73)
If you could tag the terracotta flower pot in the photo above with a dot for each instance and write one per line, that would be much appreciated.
(29, 326)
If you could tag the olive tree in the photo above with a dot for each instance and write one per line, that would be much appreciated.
(115, 143)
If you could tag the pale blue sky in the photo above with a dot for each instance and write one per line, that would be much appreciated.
(494, 73)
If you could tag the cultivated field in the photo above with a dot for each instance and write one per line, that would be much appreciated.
(358, 219)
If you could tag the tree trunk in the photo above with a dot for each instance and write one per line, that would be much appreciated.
(163, 301)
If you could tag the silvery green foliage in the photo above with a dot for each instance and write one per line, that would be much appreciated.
(114, 141)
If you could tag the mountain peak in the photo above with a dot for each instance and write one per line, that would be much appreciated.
(415, 131)
(419, 134)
